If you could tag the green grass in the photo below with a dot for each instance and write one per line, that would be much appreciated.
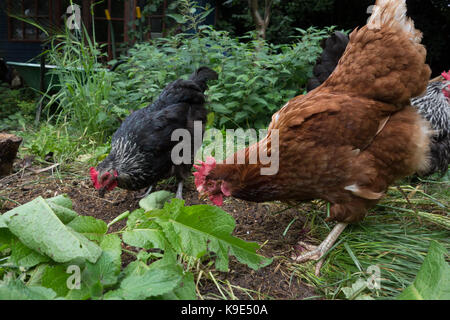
(60, 144)
(395, 237)
(83, 85)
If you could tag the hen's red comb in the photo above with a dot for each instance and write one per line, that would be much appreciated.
(446, 75)
(203, 169)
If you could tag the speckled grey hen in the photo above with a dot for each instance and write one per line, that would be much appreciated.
(141, 148)
(434, 106)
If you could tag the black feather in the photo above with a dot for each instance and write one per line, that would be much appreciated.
(333, 49)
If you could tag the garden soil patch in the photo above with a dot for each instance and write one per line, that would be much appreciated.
(254, 222)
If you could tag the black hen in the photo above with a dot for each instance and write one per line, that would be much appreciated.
(141, 148)
(333, 49)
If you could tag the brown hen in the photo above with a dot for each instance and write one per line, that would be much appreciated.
(348, 140)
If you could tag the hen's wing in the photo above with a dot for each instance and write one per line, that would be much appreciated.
(178, 91)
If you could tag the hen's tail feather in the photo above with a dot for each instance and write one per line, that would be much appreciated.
(384, 60)
(185, 91)
(202, 75)
(440, 157)
(392, 14)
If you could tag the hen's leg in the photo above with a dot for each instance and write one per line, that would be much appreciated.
(317, 252)
(179, 194)
(146, 193)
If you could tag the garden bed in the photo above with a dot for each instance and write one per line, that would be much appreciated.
(255, 222)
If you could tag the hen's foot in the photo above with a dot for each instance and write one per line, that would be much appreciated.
(317, 252)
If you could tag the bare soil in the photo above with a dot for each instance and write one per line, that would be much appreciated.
(254, 222)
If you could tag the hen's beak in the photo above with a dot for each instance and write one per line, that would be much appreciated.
(202, 196)
(101, 192)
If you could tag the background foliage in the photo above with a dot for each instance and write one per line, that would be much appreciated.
(434, 21)
(255, 78)
(17, 107)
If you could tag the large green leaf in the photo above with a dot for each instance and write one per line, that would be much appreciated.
(107, 267)
(62, 200)
(62, 207)
(91, 228)
(102, 274)
(161, 278)
(155, 200)
(154, 282)
(433, 280)
(37, 227)
(5, 236)
(195, 230)
(144, 232)
(136, 218)
(22, 256)
(64, 214)
(55, 278)
(184, 291)
(16, 290)
(146, 238)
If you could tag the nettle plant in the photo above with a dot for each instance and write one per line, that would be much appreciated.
(255, 78)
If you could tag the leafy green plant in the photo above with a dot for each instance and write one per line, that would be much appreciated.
(191, 15)
(62, 143)
(17, 107)
(433, 280)
(252, 83)
(37, 264)
(83, 86)
(194, 230)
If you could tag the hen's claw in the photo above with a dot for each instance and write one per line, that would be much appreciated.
(317, 252)
(313, 253)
